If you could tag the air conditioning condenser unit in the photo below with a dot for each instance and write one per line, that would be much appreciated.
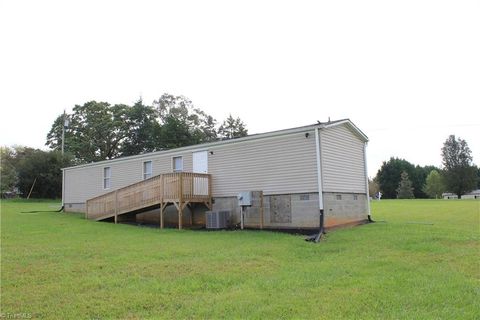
(217, 219)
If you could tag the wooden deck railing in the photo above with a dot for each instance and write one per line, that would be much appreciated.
(178, 188)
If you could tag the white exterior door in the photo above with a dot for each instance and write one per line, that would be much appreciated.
(200, 165)
(200, 162)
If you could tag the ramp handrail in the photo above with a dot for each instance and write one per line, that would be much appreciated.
(167, 187)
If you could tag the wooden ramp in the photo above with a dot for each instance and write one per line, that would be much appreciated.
(179, 189)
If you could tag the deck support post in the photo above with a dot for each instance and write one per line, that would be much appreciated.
(180, 202)
(179, 207)
(261, 210)
(116, 206)
(191, 215)
(209, 187)
(161, 215)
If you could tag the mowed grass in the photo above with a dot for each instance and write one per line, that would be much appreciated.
(423, 263)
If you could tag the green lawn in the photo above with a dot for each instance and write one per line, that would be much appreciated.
(423, 263)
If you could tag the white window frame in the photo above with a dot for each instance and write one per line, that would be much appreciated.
(147, 175)
(173, 164)
(107, 178)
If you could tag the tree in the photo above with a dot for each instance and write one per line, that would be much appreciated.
(478, 177)
(389, 176)
(54, 136)
(8, 173)
(232, 128)
(373, 188)
(43, 169)
(143, 130)
(181, 123)
(459, 174)
(175, 133)
(419, 178)
(405, 189)
(100, 131)
(95, 133)
(434, 186)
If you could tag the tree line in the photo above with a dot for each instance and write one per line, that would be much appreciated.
(98, 131)
(398, 178)
(25, 169)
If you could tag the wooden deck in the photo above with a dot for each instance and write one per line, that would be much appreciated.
(179, 189)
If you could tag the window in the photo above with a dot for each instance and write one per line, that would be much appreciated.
(147, 170)
(177, 164)
(107, 174)
(339, 197)
(355, 197)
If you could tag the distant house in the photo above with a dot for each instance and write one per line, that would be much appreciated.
(292, 173)
(475, 194)
(449, 195)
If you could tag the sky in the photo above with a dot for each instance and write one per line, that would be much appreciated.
(407, 73)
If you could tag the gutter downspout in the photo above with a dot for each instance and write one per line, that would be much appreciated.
(63, 187)
(366, 182)
(63, 190)
(316, 238)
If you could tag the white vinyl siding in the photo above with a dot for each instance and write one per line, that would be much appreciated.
(342, 160)
(147, 170)
(279, 164)
(276, 165)
(107, 175)
(82, 183)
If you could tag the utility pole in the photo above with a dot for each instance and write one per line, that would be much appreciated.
(64, 126)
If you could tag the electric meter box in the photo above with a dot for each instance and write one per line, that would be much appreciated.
(244, 198)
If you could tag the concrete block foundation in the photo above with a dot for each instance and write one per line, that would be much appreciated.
(289, 211)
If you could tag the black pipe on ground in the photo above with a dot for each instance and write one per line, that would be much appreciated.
(59, 210)
(316, 237)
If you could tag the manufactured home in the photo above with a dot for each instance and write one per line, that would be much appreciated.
(278, 180)
(449, 195)
(475, 194)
